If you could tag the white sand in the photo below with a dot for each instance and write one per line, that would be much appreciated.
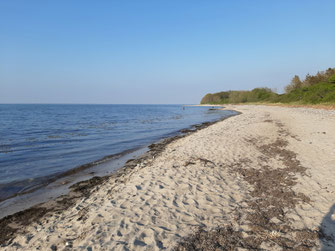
(166, 199)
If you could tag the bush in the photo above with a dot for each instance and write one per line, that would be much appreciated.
(332, 79)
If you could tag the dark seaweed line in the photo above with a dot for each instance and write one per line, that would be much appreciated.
(13, 224)
(44, 181)
(272, 198)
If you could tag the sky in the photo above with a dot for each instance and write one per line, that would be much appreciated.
(158, 52)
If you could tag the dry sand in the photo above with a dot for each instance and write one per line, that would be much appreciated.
(265, 177)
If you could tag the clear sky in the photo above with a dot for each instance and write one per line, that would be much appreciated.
(160, 51)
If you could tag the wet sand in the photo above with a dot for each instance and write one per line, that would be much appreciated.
(60, 185)
(261, 180)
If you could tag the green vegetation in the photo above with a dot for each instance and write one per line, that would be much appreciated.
(233, 97)
(312, 90)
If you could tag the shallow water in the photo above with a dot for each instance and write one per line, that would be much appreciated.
(38, 142)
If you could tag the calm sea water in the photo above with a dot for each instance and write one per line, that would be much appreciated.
(40, 141)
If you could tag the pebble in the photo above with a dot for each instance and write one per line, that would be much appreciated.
(68, 244)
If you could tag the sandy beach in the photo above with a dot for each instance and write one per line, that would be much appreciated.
(260, 180)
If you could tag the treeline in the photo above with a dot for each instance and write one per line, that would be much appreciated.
(233, 97)
(319, 88)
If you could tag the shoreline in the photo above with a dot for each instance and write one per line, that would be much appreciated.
(62, 181)
(83, 188)
(55, 177)
(61, 185)
(260, 180)
(326, 106)
(72, 148)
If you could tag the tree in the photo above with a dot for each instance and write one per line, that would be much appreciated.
(329, 72)
(295, 84)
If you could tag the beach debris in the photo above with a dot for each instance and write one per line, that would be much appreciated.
(187, 163)
(272, 197)
(206, 162)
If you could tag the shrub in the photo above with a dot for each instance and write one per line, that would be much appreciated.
(332, 79)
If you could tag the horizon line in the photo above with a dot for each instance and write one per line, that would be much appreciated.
(90, 104)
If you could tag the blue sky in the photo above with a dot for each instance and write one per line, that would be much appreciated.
(153, 52)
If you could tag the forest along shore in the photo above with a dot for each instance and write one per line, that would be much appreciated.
(262, 179)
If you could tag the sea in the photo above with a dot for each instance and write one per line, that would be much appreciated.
(40, 142)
